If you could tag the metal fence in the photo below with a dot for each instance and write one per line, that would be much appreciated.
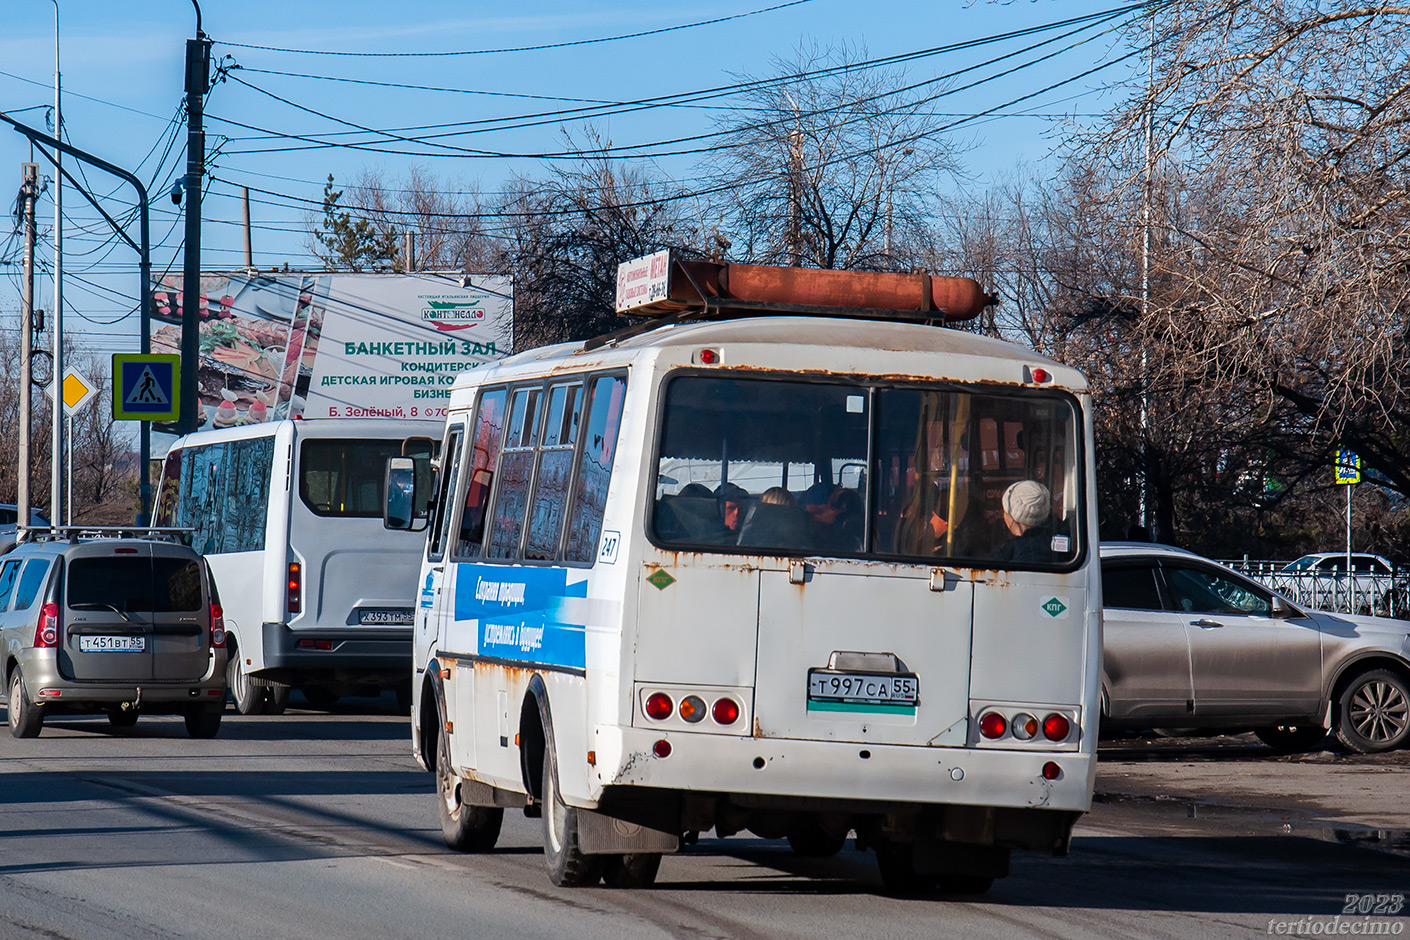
(1385, 595)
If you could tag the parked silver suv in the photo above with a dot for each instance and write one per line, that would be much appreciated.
(1191, 644)
(99, 620)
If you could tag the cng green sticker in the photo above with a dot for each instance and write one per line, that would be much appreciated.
(661, 580)
(1056, 607)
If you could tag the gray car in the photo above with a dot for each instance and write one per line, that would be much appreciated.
(1191, 644)
(122, 625)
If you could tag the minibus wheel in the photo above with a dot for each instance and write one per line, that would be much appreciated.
(464, 828)
(896, 863)
(568, 867)
(631, 871)
(249, 698)
(276, 699)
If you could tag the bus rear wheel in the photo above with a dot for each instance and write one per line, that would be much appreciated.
(568, 867)
(896, 863)
(464, 828)
(631, 871)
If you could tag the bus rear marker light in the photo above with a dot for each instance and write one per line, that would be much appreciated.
(992, 725)
(1051, 771)
(1056, 727)
(661, 748)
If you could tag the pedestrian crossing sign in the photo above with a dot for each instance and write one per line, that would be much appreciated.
(146, 387)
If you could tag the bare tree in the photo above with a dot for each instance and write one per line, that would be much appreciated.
(834, 165)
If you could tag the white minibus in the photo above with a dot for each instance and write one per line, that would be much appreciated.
(317, 594)
(795, 561)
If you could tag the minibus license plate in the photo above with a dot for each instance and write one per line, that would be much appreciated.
(112, 644)
(399, 617)
(863, 687)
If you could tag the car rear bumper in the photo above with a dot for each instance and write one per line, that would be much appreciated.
(47, 685)
(778, 767)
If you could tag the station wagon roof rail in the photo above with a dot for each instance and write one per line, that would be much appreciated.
(73, 533)
(668, 290)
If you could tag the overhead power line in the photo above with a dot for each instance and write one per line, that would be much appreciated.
(538, 48)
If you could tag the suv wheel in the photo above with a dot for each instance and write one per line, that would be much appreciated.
(1373, 712)
(202, 722)
(26, 720)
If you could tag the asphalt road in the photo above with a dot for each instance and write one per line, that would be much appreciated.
(313, 825)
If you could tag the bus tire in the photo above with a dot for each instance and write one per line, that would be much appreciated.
(26, 720)
(810, 840)
(249, 698)
(276, 699)
(896, 863)
(631, 871)
(568, 867)
(464, 828)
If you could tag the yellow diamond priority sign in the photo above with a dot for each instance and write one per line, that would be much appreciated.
(75, 390)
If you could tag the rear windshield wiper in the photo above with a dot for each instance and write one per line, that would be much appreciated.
(98, 605)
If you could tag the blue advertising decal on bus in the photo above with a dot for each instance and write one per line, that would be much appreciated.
(523, 613)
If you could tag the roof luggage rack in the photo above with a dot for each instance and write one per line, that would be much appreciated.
(72, 533)
(669, 290)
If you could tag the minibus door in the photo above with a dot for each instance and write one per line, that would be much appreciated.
(863, 657)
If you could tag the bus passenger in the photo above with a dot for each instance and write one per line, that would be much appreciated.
(733, 499)
(1027, 508)
(777, 496)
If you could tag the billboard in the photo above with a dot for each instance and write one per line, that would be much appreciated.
(335, 345)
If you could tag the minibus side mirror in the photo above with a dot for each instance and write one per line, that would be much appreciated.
(399, 509)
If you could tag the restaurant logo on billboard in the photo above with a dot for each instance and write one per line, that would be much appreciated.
(448, 315)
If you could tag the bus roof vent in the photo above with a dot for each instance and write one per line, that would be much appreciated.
(667, 289)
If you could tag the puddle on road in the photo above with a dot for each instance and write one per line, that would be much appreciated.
(1394, 841)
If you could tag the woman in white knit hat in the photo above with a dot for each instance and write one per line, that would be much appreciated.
(1027, 508)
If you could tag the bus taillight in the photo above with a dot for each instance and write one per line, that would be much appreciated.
(693, 708)
(1056, 727)
(726, 711)
(296, 587)
(659, 706)
(992, 725)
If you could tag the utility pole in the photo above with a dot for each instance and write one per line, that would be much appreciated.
(249, 245)
(56, 463)
(28, 192)
(198, 53)
(408, 240)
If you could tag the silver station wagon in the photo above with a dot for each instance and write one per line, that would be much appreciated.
(1190, 644)
(121, 625)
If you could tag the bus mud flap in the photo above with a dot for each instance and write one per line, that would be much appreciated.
(604, 835)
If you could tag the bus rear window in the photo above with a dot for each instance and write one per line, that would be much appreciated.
(911, 473)
(344, 477)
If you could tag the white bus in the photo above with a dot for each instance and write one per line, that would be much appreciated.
(288, 513)
(805, 575)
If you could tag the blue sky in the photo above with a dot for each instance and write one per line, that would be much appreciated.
(122, 81)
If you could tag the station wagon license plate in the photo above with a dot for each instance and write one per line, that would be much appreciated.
(400, 617)
(868, 688)
(112, 644)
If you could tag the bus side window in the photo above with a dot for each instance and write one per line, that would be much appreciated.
(450, 454)
(516, 470)
(594, 470)
(485, 445)
(560, 433)
(164, 512)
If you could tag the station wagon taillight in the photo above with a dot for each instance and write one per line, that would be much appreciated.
(217, 627)
(296, 587)
(46, 634)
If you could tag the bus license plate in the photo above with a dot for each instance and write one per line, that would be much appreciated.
(398, 617)
(863, 687)
(112, 644)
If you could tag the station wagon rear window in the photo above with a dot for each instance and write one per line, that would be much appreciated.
(134, 584)
(864, 469)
